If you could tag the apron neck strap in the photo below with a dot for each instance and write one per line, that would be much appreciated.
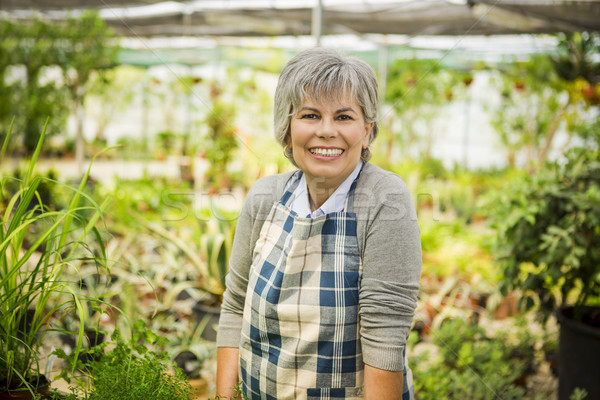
(350, 197)
(287, 195)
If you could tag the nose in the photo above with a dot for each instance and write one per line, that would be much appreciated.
(326, 129)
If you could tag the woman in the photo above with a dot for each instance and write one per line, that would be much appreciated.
(324, 272)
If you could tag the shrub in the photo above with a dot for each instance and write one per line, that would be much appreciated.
(471, 365)
(548, 234)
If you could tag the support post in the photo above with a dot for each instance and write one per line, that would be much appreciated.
(317, 22)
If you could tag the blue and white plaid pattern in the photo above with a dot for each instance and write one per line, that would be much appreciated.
(300, 333)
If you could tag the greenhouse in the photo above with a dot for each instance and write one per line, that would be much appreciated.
(280, 199)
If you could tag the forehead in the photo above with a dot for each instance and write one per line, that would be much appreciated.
(335, 100)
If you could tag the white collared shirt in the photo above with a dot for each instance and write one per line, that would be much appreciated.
(335, 203)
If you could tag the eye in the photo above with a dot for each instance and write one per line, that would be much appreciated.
(345, 117)
(309, 116)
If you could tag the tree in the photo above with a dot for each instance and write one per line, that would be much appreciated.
(576, 56)
(547, 93)
(89, 48)
(79, 46)
(416, 89)
(30, 99)
(221, 141)
(533, 108)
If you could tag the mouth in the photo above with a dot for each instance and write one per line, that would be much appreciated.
(326, 152)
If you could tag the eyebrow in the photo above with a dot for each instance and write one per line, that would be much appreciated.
(341, 110)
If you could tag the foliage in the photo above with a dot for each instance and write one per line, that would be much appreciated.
(575, 54)
(545, 94)
(167, 143)
(163, 248)
(156, 199)
(37, 246)
(534, 102)
(470, 364)
(416, 89)
(238, 394)
(131, 369)
(88, 48)
(215, 246)
(578, 394)
(78, 47)
(124, 80)
(208, 251)
(548, 233)
(221, 141)
(455, 249)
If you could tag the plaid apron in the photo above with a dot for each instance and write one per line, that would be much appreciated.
(300, 332)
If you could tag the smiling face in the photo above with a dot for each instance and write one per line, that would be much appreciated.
(327, 139)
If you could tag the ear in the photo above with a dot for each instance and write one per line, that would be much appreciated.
(368, 129)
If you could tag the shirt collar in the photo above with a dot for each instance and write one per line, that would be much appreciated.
(335, 203)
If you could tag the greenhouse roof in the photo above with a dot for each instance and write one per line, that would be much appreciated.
(210, 18)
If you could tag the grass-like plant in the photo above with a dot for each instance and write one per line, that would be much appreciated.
(37, 244)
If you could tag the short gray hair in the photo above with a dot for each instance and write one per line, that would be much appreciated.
(316, 73)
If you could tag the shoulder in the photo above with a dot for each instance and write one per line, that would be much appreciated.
(380, 190)
(265, 192)
(272, 185)
(380, 180)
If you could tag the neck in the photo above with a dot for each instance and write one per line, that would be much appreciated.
(321, 188)
(318, 195)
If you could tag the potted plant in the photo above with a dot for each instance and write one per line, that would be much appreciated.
(548, 243)
(37, 244)
(210, 257)
(133, 368)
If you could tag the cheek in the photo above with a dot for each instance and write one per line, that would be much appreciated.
(298, 136)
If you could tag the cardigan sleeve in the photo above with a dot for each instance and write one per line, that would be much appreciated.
(254, 211)
(236, 282)
(391, 255)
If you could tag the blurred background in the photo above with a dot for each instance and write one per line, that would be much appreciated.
(489, 110)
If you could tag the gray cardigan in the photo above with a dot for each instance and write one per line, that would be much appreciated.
(390, 245)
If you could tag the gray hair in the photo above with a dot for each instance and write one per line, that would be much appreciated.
(317, 73)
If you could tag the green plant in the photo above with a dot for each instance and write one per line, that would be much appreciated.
(457, 250)
(532, 109)
(37, 245)
(238, 395)
(469, 364)
(215, 247)
(78, 46)
(416, 89)
(575, 56)
(210, 256)
(578, 394)
(548, 234)
(133, 368)
(221, 142)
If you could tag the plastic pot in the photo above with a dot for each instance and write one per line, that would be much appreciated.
(578, 351)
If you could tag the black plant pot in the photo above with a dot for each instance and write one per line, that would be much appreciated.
(202, 312)
(579, 352)
(42, 384)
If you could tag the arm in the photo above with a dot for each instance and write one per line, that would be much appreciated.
(391, 252)
(227, 371)
(383, 385)
(232, 308)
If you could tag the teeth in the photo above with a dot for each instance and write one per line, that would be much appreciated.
(326, 152)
